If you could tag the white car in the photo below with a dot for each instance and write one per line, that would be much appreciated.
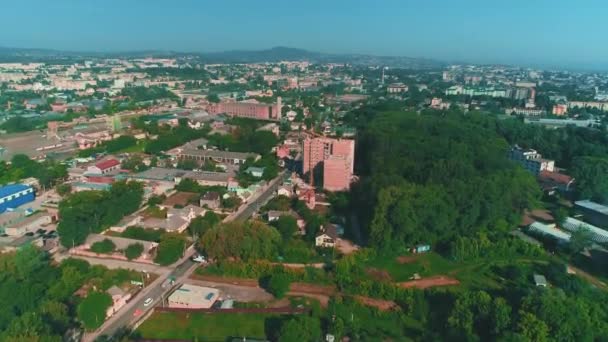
(199, 258)
(148, 301)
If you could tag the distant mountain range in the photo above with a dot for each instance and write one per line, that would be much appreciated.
(275, 54)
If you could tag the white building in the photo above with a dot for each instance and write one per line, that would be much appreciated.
(531, 160)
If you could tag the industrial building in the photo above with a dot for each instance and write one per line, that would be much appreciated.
(15, 195)
(193, 297)
(595, 213)
(597, 235)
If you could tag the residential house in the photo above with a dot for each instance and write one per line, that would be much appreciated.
(104, 167)
(211, 200)
(285, 190)
(256, 172)
(327, 236)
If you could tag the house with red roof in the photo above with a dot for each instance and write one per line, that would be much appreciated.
(104, 167)
(555, 180)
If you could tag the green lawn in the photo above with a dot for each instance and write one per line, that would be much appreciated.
(139, 147)
(206, 327)
(425, 265)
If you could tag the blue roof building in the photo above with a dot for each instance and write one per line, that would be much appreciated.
(15, 195)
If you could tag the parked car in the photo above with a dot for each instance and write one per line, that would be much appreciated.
(148, 301)
(199, 258)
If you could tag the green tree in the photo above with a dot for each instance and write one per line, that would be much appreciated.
(170, 249)
(591, 174)
(532, 328)
(300, 328)
(134, 251)
(104, 246)
(63, 189)
(580, 239)
(276, 284)
(199, 225)
(244, 240)
(287, 226)
(92, 310)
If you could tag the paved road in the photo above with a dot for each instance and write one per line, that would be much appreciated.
(156, 291)
(182, 271)
(261, 199)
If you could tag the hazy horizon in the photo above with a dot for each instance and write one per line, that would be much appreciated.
(543, 33)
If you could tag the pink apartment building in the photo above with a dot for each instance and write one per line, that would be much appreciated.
(335, 156)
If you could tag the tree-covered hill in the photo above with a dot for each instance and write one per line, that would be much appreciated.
(430, 178)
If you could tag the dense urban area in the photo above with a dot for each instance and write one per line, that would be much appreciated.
(280, 196)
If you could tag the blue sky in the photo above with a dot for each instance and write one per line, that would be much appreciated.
(538, 32)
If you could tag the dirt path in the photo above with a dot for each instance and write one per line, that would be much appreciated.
(429, 282)
(590, 278)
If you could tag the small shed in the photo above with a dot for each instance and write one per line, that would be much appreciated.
(540, 280)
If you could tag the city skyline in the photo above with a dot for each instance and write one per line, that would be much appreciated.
(518, 33)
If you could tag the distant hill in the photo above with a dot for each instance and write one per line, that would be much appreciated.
(275, 54)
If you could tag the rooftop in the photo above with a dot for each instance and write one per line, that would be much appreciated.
(587, 204)
(106, 164)
(219, 154)
(197, 295)
(10, 189)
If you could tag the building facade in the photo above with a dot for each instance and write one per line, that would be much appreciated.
(531, 160)
(249, 109)
(334, 156)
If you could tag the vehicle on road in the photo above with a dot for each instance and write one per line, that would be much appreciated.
(148, 301)
(199, 258)
(137, 313)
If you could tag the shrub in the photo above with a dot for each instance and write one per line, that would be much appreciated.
(133, 251)
(104, 246)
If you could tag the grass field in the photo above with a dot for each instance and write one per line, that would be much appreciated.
(205, 327)
(424, 264)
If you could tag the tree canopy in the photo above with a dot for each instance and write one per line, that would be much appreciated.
(243, 240)
(88, 212)
(428, 179)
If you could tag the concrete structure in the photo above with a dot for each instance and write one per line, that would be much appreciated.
(342, 154)
(227, 157)
(249, 109)
(560, 109)
(14, 195)
(193, 297)
(104, 167)
(396, 88)
(29, 224)
(595, 213)
(336, 173)
(531, 160)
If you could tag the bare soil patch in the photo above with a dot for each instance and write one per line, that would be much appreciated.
(429, 282)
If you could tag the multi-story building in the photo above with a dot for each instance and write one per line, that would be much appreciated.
(340, 153)
(559, 109)
(397, 88)
(249, 109)
(531, 160)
